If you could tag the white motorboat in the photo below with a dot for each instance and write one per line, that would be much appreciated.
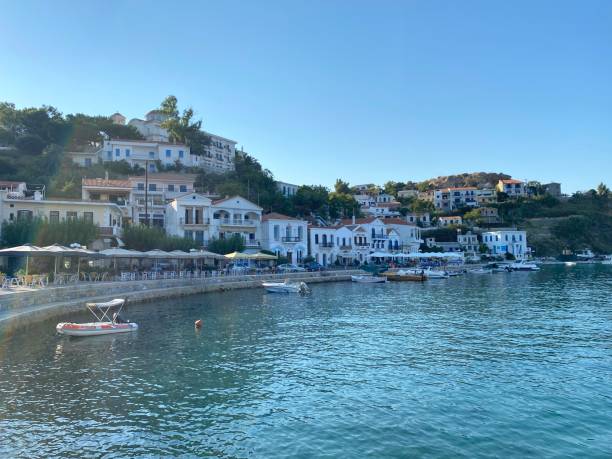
(570, 263)
(286, 287)
(524, 266)
(369, 279)
(104, 325)
(607, 260)
(428, 273)
(481, 271)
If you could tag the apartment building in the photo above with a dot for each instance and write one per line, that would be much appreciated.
(286, 236)
(512, 187)
(506, 241)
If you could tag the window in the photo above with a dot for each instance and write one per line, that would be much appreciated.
(168, 153)
(276, 232)
(71, 216)
(140, 187)
(88, 217)
(109, 155)
(152, 187)
(87, 162)
(117, 152)
(181, 153)
(300, 232)
(316, 238)
(151, 167)
(151, 154)
(24, 214)
(127, 152)
(183, 188)
(170, 187)
(54, 216)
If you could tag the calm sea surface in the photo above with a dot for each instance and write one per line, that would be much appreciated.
(506, 365)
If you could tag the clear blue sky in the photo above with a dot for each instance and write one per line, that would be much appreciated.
(366, 91)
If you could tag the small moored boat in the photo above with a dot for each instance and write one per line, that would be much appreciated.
(104, 325)
(607, 260)
(524, 266)
(481, 271)
(369, 279)
(404, 277)
(286, 287)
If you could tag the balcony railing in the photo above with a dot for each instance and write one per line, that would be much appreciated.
(190, 222)
(346, 247)
(291, 239)
(362, 244)
(326, 244)
(252, 243)
(380, 236)
(237, 222)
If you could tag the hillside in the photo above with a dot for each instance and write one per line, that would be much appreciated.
(477, 179)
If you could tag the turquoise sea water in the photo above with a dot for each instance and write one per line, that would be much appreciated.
(506, 365)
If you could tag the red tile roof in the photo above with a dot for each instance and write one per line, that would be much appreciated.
(276, 216)
(106, 183)
(511, 181)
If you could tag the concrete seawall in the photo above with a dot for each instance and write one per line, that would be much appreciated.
(22, 308)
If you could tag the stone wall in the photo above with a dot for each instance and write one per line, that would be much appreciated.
(21, 308)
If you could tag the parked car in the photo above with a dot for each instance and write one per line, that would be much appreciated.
(314, 266)
(290, 268)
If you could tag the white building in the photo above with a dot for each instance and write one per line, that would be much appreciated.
(512, 187)
(287, 189)
(143, 152)
(506, 241)
(197, 217)
(219, 156)
(419, 218)
(447, 221)
(469, 243)
(356, 239)
(285, 236)
(129, 194)
(20, 205)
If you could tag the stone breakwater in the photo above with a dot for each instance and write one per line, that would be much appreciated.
(22, 308)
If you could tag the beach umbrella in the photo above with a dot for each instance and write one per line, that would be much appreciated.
(157, 254)
(26, 250)
(58, 250)
(237, 256)
(262, 256)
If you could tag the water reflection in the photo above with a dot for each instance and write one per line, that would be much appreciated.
(508, 365)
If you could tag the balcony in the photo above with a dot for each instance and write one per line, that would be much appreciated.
(291, 239)
(237, 222)
(346, 247)
(326, 245)
(252, 243)
(361, 244)
(380, 236)
(200, 222)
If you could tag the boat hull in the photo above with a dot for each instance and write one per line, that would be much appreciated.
(394, 277)
(369, 279)
(283, 287)
(94, 328)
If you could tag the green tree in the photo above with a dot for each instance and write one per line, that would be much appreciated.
(181, 128)
(225, 246)
(603, 191)
(342, 187)
(139, 237)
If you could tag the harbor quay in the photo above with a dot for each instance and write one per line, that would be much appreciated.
(21, 308)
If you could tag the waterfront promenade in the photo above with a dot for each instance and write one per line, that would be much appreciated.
(19, 308)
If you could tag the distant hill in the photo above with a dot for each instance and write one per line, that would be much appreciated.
(477, 179)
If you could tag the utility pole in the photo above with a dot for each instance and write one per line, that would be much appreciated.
(147, 193)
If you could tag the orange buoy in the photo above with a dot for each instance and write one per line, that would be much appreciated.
(198, 323)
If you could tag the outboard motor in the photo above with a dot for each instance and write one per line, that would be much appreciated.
(117, 319)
